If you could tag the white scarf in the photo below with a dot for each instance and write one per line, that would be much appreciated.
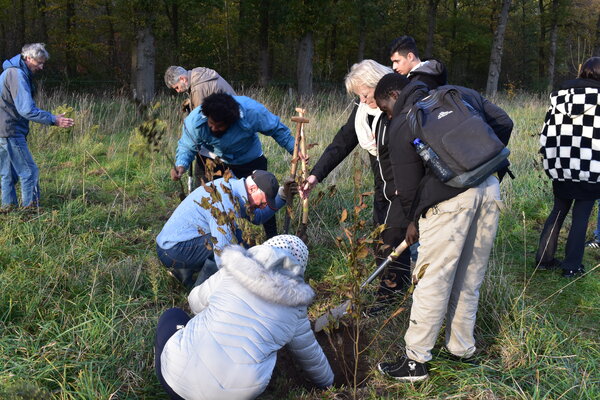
(365, 132)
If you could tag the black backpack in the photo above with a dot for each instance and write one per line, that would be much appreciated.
(458, 134)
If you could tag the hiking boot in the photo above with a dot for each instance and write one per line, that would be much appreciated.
(550, 265)
(572, 273)
(404, 369)
(593, 244)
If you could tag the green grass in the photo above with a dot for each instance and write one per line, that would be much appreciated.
(81, 289)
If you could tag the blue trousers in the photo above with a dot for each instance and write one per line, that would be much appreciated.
(186, 258)
(16, 163)
(168, 323)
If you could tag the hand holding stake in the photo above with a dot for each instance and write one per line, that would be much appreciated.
(299, 120)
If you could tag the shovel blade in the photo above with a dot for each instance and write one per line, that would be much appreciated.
(331, 316)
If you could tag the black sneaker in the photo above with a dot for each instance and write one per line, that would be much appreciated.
(572, 273)
(404, 369)
(593, 244)
(547, 266)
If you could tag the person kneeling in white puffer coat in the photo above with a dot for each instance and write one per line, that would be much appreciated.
(252, 307)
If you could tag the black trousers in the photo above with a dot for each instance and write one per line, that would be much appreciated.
(380, 203)
(241, 171)
(576, 238)
(167, 326)
(396, 277)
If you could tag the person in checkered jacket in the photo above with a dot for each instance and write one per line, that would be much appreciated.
(570, 141)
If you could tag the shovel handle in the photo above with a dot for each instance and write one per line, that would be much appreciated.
(394, 254)
(338, 312)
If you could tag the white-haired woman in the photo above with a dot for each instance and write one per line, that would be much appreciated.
(367, 127)
(252, 307)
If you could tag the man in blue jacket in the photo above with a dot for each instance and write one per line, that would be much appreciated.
(204, 222)
(227, 126)
(17, 108)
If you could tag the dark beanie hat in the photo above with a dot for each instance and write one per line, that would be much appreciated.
(267, 182)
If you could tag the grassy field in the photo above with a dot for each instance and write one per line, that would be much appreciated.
(81, 288)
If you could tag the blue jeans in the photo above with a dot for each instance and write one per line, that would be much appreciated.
(186, 258)
(16, 163)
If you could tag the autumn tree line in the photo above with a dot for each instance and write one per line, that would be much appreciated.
(305, 45)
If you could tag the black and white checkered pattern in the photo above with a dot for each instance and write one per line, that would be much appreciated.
(570, 137)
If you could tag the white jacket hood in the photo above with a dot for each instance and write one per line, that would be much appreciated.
(269, 273)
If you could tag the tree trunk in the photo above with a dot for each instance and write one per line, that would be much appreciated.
(305, 67)
(112, 43)
(542, 43)
(3, 40)
(432, 14)
(596, 51)
(410, 17)
(553, 38)
(496, 53)
(263, 43)
(243, 38)
(20, 23)
(172, 11)
(143, 63)
(41, 6)
(71, 61)
(362, 38)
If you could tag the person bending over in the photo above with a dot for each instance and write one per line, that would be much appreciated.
(198, 229)
(246, 312)
(227, 126)
(456, 228)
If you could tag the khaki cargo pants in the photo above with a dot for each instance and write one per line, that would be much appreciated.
(456, 238)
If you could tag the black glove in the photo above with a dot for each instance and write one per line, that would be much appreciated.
(288, 190)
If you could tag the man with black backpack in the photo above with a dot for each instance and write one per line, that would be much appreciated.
(456, 227)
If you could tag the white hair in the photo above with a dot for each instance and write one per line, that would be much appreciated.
(172, 75)
(36, 51)
(366, 72)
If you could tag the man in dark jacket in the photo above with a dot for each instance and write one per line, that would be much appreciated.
(17, 108)
(406, 61)
(457, 227)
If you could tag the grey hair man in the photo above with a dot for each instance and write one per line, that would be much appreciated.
(199, 83)
(17, 108)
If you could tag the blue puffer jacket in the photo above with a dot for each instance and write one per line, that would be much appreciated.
(240, 143)
(17, 107)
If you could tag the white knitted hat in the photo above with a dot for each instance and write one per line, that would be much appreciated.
(292, 245)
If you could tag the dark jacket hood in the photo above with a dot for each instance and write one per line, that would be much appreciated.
(432, 72)
(412, 92)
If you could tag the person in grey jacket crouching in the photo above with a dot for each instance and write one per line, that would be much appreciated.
(252, 307)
